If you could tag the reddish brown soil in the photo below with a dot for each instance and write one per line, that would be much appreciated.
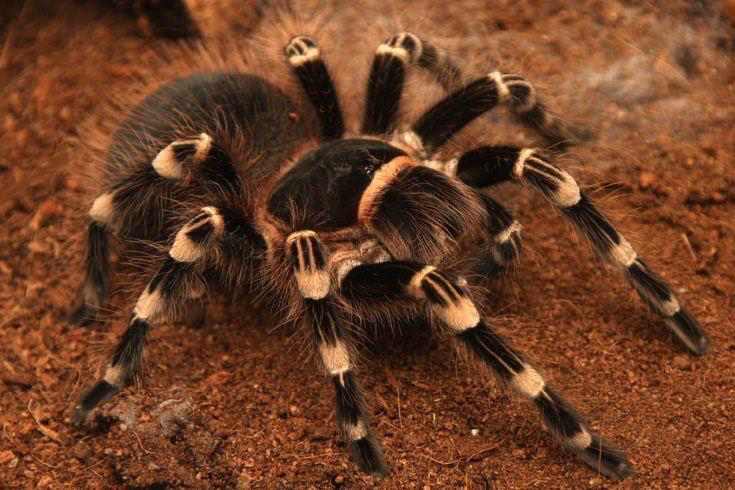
(233, 404)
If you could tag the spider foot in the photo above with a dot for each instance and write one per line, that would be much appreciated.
(369, 457)
(98, 394)
(606, 459)
(689, 332)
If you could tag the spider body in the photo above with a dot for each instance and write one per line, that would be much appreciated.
(229, 173)
(328, 182)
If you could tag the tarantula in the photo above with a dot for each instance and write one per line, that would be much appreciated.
(246, 187)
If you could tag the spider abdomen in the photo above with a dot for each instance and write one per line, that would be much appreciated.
(252, 121)
(229, 106)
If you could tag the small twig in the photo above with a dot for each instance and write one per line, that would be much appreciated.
(468, 459)
(76, 384)
(400, 419)
(396, 385)
(46, 464)
(443, 463)
(83, 470)
(472, 457)
(47, 431)
(299, 457)
(140, 443)
(688, 245)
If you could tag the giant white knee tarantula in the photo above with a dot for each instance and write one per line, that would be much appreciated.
(347, 231)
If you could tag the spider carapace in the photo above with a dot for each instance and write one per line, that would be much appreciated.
(344, 232)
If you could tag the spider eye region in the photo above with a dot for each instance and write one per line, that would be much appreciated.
(326, 184)
(369, 168)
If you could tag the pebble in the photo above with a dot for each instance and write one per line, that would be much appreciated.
(6, 456)
(44, 481)
(9, 123)
(65, 113)
(717, 197)
(45, 211)
(645, 179)
(681, 361)
(243, 481)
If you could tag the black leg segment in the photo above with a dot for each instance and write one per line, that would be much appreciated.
(179, 274)
(96, 275)
(451, 114)
(309, 263)
(490, 165)
(451, 304)
(388, 72)
(304, 56)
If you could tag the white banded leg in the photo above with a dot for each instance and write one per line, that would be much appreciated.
(505, 236)
(447, 298)
(103, 218)
(313, 280)
(462, 106)
(388, 72)
(304, 56)
(490, 165)
(168, 289)
(181, 156)
(520, 97)
(138, 202)
(200, 158)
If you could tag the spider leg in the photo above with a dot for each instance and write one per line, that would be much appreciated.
(505, 237)
(179, 275)
(200, 159)
(143, 193)
(96, 263)
(304, 56)
(330, 335)
(388, 72)
(448, 116)
(451, 304)
(169, 19)
(493, 164)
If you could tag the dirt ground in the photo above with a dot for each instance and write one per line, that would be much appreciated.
(233, 404)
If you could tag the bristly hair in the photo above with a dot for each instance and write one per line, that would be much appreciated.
(421, 214)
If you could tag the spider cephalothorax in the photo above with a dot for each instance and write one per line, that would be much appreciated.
(370, 229)
(329, 181)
